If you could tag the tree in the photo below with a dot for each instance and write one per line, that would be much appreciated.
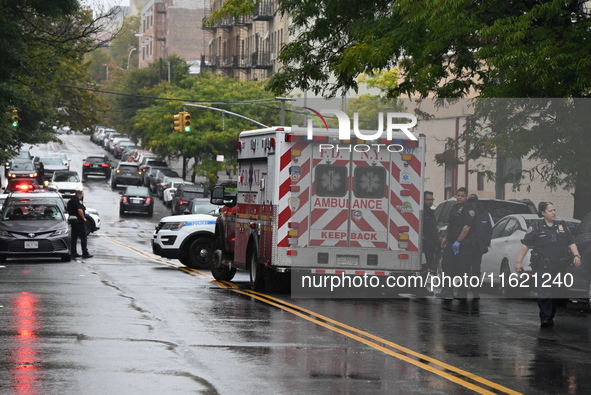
(41, 48)
(453, 49)
(213, 133)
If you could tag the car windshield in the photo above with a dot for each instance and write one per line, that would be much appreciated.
(205, 208)
(128, 168)
(52, 161)
(66, 177)
(91, 159)
(23, 166)
(136, 191)
(32, 212)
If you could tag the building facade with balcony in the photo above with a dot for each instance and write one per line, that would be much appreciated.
(246, 47)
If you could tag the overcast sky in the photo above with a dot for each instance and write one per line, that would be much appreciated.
(104, 5)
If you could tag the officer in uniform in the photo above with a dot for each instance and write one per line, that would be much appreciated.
(456, 244)
(430, 242)
(551, 240)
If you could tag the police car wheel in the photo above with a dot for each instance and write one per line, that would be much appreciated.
(200, 253)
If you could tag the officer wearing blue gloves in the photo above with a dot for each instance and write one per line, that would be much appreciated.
(456, 244)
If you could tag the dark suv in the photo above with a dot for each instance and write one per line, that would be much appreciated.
(127, 173)
(183, 196)
(96, 165)
(497, 209)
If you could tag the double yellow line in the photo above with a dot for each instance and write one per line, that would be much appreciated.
(461, 377)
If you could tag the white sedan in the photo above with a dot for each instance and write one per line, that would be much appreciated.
(506, 242)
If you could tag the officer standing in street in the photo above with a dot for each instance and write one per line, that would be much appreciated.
(77, 209)
(482, 234)
(456, 244)
(551, 240)
(430, 240)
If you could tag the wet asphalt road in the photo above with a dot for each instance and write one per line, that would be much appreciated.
(129, 322)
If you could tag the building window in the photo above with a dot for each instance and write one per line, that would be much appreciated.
(480, 181)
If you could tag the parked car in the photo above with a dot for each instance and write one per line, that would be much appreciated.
(109, 137)
(136, 154)
(152, 161)
(158, 177)
(126, 173)
(165, 184)
(136, 199)
(505, 244)
(66, 183)
(169, 192)
(120, 146)
(183, 195)
(96, 165)
(34, 230)
(149, 173)
(202, 206)
(128, 151)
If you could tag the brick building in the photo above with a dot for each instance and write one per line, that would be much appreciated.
(170, 27)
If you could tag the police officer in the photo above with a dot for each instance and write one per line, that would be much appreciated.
(430, 241)
(550, 240)
(456, 244)
(77, 209)
(481, 236)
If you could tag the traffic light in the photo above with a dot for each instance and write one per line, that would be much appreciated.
(186, 121)
(14, 117)
(178, 126)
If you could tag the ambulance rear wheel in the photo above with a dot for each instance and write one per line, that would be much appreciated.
(257, 275)
(220, 271)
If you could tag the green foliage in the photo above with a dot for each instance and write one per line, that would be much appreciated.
(41, 52)
(213, 133)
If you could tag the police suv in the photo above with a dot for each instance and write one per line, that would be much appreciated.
(185, 237)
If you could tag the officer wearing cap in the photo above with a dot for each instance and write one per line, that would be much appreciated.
(551, 240)
(77, 209)
(456, 244)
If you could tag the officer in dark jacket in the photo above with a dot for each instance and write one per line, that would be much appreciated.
(550, 241)
(430, 239)
(482, 233)
(77, 209)
(456, 244)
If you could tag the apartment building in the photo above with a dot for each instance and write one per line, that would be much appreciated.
(170, 27)
(246, 47)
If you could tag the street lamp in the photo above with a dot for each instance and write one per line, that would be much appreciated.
(129, 56)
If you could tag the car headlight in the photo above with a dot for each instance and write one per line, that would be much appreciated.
(5, 233)
(173, 225)
(61, 232)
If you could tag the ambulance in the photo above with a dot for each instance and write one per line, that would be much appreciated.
(321, 205)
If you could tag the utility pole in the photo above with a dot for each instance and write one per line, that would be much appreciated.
(283, 100)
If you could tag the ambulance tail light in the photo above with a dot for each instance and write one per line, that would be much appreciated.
(292, 252)
(412, 143)
(239, 146)
(272, 143)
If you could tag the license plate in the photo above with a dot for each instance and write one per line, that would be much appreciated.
(136, 201)
(31, 244)
(348, 260)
